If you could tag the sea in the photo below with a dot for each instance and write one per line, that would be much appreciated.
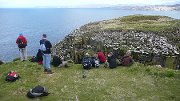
(55, 22)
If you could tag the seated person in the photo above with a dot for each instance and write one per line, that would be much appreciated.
(39, 57)
(87, 61)
(159, 60)
(177, 62)
(95, 61)
(56, 61)
(127, 59)
(101, 57)
(112, 63)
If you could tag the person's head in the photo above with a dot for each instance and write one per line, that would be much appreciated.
(95, 55)
(44, 35)
(20, 34)
(128, 52)
(39, 50)
(110, 54)
(99, 50)
(87, 54)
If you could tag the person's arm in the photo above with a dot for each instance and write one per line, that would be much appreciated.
(25, 41)
(50, 44)
(40, 42)
(17, 41)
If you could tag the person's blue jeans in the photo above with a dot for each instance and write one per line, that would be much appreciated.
(47, 61)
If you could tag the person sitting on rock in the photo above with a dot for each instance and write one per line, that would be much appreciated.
(95, 61)
(101, 57)
(159, 59)
(39, 57)
(127, 59)
(177, 62)
(56, 61)
(112, 63)
(87, 62)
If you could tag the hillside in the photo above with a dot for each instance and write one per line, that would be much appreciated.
(158, 7)
(135, 83)
(148, 33)
(175, 7)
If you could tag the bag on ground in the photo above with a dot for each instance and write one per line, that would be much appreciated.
(37, 91)
(12, 76)
(33, 59)
(56, 61)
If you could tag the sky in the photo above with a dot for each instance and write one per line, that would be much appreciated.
(77, 3)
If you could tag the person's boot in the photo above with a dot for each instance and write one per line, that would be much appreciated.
(49, 72)
(45, 70)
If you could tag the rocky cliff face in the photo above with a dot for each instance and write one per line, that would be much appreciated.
(116, 33)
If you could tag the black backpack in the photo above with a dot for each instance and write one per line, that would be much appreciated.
(38, 91)
(56, 61)
(12, 76)
(87, 63)
(20, 43)
(33, 59)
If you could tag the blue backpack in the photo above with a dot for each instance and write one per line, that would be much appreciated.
(43, 46)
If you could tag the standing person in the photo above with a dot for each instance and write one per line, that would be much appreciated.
(22, 43)
(101, 57)
(46, 50)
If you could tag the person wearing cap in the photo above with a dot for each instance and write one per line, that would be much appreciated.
(46, 54)
(22, 43)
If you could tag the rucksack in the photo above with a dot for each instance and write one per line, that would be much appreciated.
(56, 61)
(87, 63)
(12, 76)
(43, 46)
(95, 62)
(33, 59)
(21, 44)
(37, 91)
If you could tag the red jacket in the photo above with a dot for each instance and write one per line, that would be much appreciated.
(101, 57)
(22, 38)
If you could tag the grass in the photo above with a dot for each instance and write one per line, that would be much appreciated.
(137, 83)
(160, 25)
(143, 23)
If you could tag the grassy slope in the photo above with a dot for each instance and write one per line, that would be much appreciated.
(143, 23)
(126, 84)
(160, 25)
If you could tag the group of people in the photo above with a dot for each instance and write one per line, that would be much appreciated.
(43, 55)
(110, 61)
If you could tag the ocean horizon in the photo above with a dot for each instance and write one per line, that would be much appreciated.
(55, 22)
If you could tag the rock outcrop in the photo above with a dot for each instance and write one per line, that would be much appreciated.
(99, 35)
